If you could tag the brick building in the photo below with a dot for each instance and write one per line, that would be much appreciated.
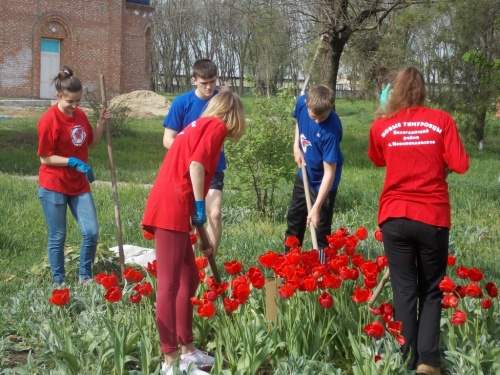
(93, 37)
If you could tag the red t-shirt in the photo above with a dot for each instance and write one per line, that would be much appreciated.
(171, 201)
(415, 146)
(59, 134)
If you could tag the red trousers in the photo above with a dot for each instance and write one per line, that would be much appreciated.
(177, 281)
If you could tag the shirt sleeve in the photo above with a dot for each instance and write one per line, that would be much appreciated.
(455, 156)
(175, 116)
(46, 137)
(375, 149)
(331, 142)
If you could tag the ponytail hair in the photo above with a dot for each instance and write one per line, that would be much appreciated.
(407, 90)
(66, 81)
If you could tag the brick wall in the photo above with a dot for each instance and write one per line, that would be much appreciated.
(109, 37)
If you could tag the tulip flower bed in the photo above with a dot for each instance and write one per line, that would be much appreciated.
(323, 323)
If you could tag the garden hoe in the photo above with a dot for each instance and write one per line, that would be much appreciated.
(309, 205)
(379, 288)
(205, 243)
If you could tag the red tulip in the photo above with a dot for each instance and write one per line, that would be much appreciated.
(459, 318)
(336, 241)
(256, 277)
(378, 235)
(331, 281)
(233, 268)
(286, 290)
(449, 300)
(148, 235)
(326, 300)
(133, 275)
(309, 284)
(460, 291)
(395, 328)
(350, 245)
(462, 272)
(230, 305)
(486, 303)
(268, 259)
(60, 297)
(401, 340)
(451, 260)
(375, 329)
(113, 294)
(447, 285)
(292, 241)
(491, 289)
(194, 238)
(207, 310)
(342, 232)
(201, 263)
(381, 262)
(357, 260)
(473, 290)
(196, 301)
(152, 268)
(377, 358)
(370, 281)
(361, 233)
(361, 295)
(144, 289)
(475, 274)
(135, 298)
(108, 281)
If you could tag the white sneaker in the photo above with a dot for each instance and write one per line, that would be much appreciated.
(199, 358)
(184, 368)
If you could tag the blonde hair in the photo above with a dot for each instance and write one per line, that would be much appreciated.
(320, 99)
(408, 90)
(227, 106)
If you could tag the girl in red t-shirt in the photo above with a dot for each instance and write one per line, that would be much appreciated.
(176, 199)
(64, 137)
(419, 146)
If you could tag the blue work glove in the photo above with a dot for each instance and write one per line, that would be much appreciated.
(201, 215)
(385, 95)
(82, 167)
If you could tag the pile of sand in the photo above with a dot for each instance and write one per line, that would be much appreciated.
(141, 103)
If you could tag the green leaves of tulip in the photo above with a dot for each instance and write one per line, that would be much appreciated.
(60, 297)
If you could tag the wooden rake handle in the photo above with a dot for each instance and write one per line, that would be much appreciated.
(314, 239)
(205, 243)
(379, 288)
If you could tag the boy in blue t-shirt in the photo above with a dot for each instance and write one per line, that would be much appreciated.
(184, 110)
(318, 134)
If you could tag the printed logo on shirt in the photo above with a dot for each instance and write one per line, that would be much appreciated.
(304, 143)
(78, 135)
(193, 124)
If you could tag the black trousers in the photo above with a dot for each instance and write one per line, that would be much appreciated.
(297, 214)
(418, 256)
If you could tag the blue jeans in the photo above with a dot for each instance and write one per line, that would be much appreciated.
(82, 207)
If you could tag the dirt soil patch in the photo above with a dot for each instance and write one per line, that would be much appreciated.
(22, 112)
(141, 103)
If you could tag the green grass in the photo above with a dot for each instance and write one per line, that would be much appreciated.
(475, 198)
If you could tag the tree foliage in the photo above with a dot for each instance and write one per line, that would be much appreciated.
(263, 158)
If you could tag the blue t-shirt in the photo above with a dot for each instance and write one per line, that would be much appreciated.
(184, 110)
(319, 143)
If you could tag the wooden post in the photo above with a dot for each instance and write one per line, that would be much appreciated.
(113, 183)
